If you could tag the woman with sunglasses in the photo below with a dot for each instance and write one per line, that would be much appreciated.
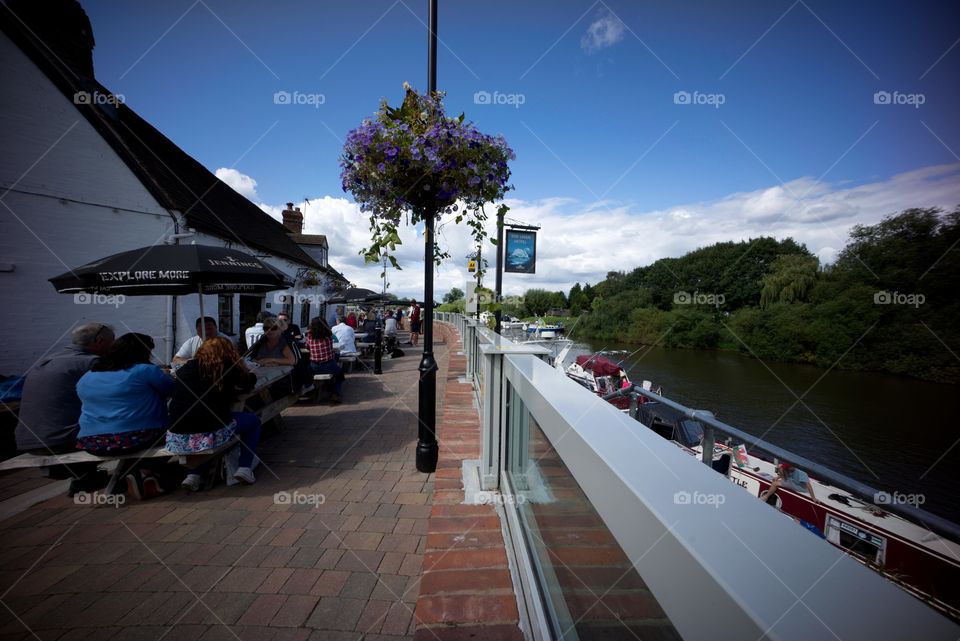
(272, 349)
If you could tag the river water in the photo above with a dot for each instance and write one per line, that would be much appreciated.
(892, 433)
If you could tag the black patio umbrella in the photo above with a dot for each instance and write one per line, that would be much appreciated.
(356, 295)
(174, 270)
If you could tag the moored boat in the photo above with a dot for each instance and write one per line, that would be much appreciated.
(909, 554)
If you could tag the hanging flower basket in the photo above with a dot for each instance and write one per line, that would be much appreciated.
(413, 162)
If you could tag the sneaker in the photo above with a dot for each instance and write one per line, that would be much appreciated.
(134, 490)
(245, 474)
(192, 483)
(151, 487)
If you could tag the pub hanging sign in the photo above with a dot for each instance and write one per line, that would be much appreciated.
(521, 252)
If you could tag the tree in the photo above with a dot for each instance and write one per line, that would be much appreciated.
(538, 301)
(791, 280)
(454, 295)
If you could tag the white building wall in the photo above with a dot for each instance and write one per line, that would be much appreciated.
(65, 199)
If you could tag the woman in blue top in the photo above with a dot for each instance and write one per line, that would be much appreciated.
(124, 399)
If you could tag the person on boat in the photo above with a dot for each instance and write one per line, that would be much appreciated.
(793, 478)
(624, 381)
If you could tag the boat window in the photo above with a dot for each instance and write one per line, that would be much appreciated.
(853, 539)
(663, 429)
(691, 432)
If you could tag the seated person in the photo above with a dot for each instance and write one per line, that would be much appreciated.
(792, 478)
(369, 327)
(345, 337)
(272, 349)
(253, 334)
(124, 399)
(51, 428)
(192, 344)
(390, 325)
(351, 320)
(323, 360)
(291, 332)
(201, 413)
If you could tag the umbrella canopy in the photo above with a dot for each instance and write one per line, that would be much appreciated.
(173, 270)
(357, 295)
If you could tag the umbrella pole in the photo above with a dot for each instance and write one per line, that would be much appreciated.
(203, 325)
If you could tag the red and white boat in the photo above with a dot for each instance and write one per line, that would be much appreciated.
(601, 376)
(920, 561)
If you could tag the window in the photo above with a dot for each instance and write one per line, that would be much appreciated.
(304, 314)
(225, 314)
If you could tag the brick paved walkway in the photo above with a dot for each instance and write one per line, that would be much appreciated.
(231, 563)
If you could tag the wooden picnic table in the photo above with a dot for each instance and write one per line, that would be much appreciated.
(259, 400)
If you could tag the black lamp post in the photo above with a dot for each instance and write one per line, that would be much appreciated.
(427, 450)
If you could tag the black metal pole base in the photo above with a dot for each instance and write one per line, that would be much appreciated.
(427, 449)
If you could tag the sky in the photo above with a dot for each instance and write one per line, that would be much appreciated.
(642, 130)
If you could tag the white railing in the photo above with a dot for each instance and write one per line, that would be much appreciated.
(726, 568)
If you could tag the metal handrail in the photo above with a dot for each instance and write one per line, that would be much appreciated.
(862, 491)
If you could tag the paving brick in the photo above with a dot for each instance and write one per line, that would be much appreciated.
(295, 611)
(275, 581)
(374, 614)
(241, 579)
(301, 581)
(359, 585)
(330, 583)
(466, 581)
(361, 540)
(335, 613)
(360, 560)
(263, 609)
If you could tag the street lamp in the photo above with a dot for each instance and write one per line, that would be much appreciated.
(427, 449)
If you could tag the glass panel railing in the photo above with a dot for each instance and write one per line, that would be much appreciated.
(589, 586)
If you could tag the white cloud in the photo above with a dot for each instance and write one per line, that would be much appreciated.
(241, 183)
(581, 242)
(606, 31)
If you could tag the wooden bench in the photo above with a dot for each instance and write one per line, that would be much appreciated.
(319, 382)
(126, 463)
(347, 360)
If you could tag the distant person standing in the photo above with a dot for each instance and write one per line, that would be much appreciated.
(414, 323)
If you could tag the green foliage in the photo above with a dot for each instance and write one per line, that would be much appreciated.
(889, 303)
(537, 302)
(453, 306)
(453, 295)
(790, 280)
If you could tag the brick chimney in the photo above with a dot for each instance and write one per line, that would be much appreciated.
(293, 219)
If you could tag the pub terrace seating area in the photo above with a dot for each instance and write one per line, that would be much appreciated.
(328, 543)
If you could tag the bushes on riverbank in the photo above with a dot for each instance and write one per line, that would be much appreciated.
(889, 303)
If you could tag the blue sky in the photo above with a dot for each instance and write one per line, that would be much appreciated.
(599, 127)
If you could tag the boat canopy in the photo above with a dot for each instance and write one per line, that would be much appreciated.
(599, 365)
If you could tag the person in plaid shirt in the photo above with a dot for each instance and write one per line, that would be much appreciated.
(323, 360)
